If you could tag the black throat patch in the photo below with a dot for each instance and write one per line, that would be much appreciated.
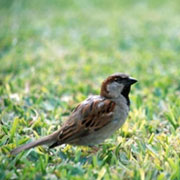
(125, 93)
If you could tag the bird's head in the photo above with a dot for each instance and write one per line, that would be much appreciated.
(116, 85)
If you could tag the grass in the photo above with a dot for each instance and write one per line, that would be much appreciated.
(53, 54)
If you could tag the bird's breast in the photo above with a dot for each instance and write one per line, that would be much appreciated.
(120, 115)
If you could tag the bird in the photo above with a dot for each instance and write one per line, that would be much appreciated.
(93, 120)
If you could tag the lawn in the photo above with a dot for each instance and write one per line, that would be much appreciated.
(53, 54)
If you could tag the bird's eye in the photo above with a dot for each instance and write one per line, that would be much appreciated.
(116, 80)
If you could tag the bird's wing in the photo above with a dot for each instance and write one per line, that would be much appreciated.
(87, 117)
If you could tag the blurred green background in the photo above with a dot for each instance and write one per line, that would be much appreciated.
(53, 54)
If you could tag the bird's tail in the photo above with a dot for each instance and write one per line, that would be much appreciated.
(50, 139)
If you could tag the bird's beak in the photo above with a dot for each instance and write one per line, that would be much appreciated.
(131, 81)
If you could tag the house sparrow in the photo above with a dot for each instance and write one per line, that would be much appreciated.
(93, 120)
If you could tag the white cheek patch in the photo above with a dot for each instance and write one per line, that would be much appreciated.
(111, 87)
(114, 89)
(121, 88)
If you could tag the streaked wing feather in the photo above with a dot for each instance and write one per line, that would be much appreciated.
(94, 115)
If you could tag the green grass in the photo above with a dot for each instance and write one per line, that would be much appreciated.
(53, 54)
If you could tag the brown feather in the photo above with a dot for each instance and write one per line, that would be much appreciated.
(95, 115)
